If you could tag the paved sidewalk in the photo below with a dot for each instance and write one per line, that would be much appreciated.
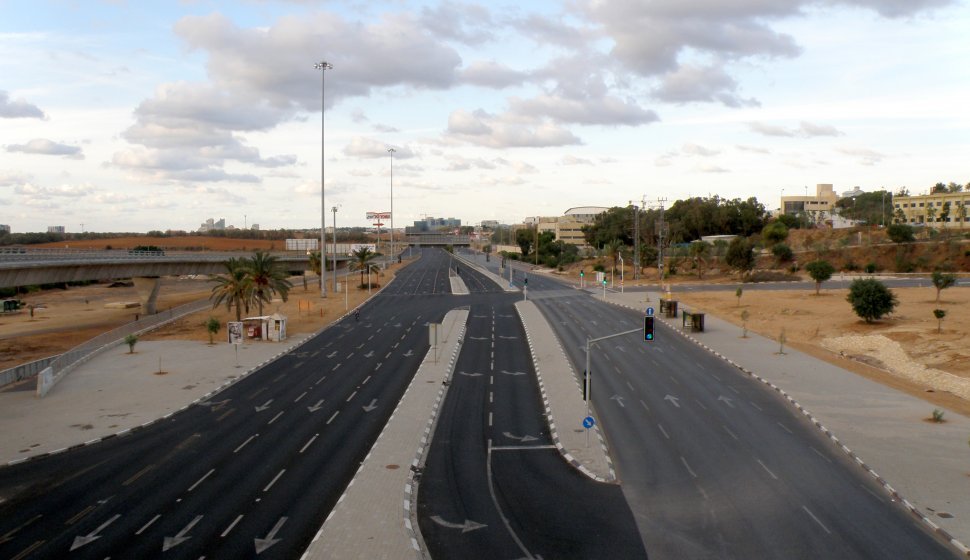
(117, 392)
(375, 517)
(927, 465)
(562, 396)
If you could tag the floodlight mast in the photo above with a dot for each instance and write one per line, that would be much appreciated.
(323, 66)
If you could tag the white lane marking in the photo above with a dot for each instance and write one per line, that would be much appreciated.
(366, 379)
(388, 355)
(490, 419)
(491, 396)
(319, 381)
(756, 406)
(663, 431)
(278, 414)
(645, 405)
(352, 395)
(300, 397)
(729, 431)
(784, 427)
(766, 469)
(332, 417)
(819, 453)
(335, 367)
(231, 525)
(700, 404)
(674, 380)
(733, 389)
(198, 482)
(826, 529)
(302, 449)
(684, 461)
(630, 386)
(147, 525)
(245, 442)
(275, 478)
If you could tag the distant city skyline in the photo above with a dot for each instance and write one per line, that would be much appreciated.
(153, 116)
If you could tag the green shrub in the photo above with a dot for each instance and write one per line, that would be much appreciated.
(598, 268)
(870, 268)
(871, 299)
(937, 416)
(851, 266)
(770, 276)
(782, 252)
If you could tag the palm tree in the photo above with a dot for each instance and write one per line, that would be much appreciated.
(613, 249)
(267, 277)
(315, 265)
(363, 261)
(234, 288)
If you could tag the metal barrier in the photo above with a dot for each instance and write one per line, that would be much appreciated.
(24, 371)
(63, 364)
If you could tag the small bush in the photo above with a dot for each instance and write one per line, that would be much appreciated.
(770, 276)
(782, 252)
(598, 268)
(937, 416)
(851, 267)
(131, 340)
(871, 268)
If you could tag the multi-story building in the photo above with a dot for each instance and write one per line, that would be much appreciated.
(821, 204)
(212, 225)
(568, 228)
(55, 229)
(431, 224)
(938, 210)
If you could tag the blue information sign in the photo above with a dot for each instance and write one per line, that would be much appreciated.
(649, 312)
(588, 422)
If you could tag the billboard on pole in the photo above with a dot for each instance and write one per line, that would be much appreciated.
(378, 215)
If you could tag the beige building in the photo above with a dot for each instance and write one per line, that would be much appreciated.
(568, 228)
(938, 210)
(823, 201)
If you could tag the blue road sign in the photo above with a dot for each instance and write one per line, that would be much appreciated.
(649, 312)
(588, 422)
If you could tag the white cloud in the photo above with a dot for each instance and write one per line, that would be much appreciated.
(12, 178)
(465, 23)
(492, 74)
(803, 130)
(18, 108)
(506, 131)
(573, 160)
(42, 146)
(865, 156)
(697, 150)
(690, 83)
(710, 168)
(38, 192)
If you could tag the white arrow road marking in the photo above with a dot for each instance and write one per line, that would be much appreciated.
(332, 354)
(93, 535)
(215, 405)
(371, 406)
(470, 374)
(618, 399)
(369, 354)
(726, 400)
(179, 538)
(513, 372)
(523, 439)
(315, 407)
(408, 354)
(263, 544)
(264, 407)
(465, 527)
(673, 400)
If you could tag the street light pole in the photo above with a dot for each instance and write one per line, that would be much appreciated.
(323, 66)
(391, 151)
(334, 249)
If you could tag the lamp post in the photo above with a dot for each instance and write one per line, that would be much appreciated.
(334, 248)
(323, 66)
(391, 151)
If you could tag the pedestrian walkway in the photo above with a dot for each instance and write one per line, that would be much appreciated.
(923, 464)
(376, 516)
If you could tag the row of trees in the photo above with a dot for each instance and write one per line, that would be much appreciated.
(250, 281)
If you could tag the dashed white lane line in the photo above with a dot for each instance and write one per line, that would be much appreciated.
(628, 384)
(198, 482)
(729, 431)
(491, 396)
(335, 367)
(766, 469)
(352, 395)
(300, 397)
(243, 444)
(784, 427)
(388, 355)
(700, 404)
(366, 379)
(691, 471)
(819, 453)
(645, 405)
(332, 417)
(663, 431)
(820, 524)
(319, 381)
(756, 406)
(278, 414)
(231, 525)
(489, 419)
(275, 478)
(673, 379)
(147, 525)
(314, 438)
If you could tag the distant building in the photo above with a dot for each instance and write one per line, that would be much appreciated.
(823, 201)
(55, 229)
(212, 225)
(489, 224)
(936, 210)
(568, 228)
(856, 191)
(430, 224)
(4, 228)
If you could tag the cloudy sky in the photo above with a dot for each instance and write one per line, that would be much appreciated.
(133, 116)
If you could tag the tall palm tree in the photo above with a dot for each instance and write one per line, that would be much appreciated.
(613, 249)
(315, 262)
(363, 261)
(234, 287)
(267, 277)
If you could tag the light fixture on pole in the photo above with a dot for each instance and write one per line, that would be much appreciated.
(391, 151)
(334, 248)
(322, 66)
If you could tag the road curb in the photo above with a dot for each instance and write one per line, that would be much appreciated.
(893, 494)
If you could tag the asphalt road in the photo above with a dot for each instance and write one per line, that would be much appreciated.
(254, 470)
(494, 486)
(713, 464)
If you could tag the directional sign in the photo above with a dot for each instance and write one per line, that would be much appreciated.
(649, 311)
(588, 422)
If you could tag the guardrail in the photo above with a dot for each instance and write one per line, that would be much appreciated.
(24, 371)
(63, 364)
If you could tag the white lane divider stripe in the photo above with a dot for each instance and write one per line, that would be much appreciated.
(275, 478)
(231, 525)
(198, 482)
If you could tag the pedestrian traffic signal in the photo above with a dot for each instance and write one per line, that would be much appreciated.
(648, 328)
(581, 274)
(526, 280)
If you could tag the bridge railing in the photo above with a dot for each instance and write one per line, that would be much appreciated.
(63, 364)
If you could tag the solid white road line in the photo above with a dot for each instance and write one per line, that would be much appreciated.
(819, 453)
(147, 525)
(278, 414)
(826, 529)
(684, 461)
(729, 431)
(664, 431)
(332, 417)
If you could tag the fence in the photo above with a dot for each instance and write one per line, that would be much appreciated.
(24, 371)
(63, 364)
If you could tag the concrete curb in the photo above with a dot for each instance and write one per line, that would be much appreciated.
(489, 274)
(893, 494)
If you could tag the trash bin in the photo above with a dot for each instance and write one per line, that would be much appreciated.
(694, 321)
(671, 308)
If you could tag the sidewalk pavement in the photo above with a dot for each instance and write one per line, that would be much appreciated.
(923, 464)
(562, 398)
(117, 392)
(376, 516)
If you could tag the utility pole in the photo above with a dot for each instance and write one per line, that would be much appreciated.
(636, 241)
(661, 230)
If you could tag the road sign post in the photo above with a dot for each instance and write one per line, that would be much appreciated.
(589, 372)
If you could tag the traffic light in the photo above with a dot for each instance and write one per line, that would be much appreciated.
(648, 329)
(526, 281)
(581, 274)
(604, 282)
